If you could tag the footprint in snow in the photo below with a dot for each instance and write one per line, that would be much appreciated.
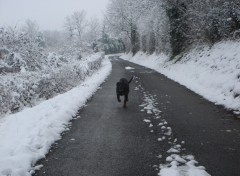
(129, 68)
(146, 120)
(163, 127)
(136, 88)
(149, 112)
(172, 150)
(162, 138)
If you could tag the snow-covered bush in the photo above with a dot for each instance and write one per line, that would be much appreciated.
(28, 88)
(19, 51)
(29, 73)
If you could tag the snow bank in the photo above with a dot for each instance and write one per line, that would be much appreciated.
(27, 136)
(213, 72)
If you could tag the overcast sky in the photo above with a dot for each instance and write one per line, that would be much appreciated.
(49, 14)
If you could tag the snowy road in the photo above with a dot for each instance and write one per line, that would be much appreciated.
(164, 124)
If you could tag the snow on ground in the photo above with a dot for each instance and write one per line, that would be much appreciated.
(177, 163)
(129, 68)
(213, 72)
(27, 136)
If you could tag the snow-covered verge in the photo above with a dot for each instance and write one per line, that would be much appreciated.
(60, 74)
(213, 72)
(27, 136)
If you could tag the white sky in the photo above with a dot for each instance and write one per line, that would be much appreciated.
(49, 14)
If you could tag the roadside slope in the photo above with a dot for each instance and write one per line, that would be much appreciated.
(212, 72)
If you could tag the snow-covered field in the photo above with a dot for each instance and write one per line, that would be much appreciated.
(27, 136)
(213, 72)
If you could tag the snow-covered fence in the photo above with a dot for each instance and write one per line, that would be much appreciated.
(25, 90)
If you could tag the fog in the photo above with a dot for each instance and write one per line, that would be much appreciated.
(49, 14)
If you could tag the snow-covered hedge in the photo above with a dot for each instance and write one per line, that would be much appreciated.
(20, 51)
(58, 76)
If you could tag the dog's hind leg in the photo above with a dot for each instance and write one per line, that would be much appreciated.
(125, 100)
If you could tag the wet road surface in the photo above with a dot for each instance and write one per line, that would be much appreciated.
(109, 140)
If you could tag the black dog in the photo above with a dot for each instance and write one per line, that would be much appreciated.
(123, 90)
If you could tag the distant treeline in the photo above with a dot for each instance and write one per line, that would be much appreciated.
(171, 26)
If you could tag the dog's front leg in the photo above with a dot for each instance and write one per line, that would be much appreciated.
(126, 97)
(125, 100)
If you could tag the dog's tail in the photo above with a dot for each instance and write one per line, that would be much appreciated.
(130, 80)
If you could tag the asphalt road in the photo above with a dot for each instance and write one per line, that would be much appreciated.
(109, 140)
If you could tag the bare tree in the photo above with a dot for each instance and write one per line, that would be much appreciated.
(69, 26)
(93, 30)
(122, 17)
(76, 24)
(143, 23)
(79, 22)
(31, 28)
